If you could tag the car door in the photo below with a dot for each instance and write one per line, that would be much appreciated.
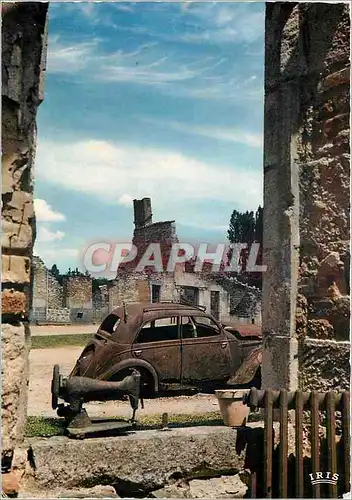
(206, 354)
(158, 342)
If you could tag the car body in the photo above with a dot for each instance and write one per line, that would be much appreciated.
(172, 345)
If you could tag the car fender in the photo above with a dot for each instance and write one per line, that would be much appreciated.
(133, 363)
(248, 368)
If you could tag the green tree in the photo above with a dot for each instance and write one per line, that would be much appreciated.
(55, 271)
(259, 225)
(242, 227)
(247, 227)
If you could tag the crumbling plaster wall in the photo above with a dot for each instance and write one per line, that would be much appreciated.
(306, 196)
(23, 63)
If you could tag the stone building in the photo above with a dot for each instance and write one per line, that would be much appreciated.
(66, 300)
(71, 299)
(225, 297)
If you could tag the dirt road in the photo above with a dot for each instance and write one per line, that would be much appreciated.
(39, 401)
(62, 330)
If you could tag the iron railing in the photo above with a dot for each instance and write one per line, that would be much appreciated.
(322, 465)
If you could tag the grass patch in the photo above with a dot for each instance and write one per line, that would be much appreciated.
(50, 341)
(44, 427)
(48, 427)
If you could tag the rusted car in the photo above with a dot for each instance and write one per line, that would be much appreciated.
(173, 346)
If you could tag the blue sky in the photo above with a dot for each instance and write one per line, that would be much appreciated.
(148, 99)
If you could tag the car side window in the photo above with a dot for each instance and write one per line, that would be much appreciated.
(188, 328)
(158, 330)
(205, 326)
(110, 324)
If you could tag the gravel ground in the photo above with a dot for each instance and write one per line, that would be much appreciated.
(39, 400)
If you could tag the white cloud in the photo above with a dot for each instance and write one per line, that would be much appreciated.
(226, 22)
(125, 200)
(108, 171)
(177, 73)
(217, 133)
(45, 213)
(54, 255)
(44, 235)
(70, 58)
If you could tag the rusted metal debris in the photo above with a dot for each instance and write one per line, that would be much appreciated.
(337, 463)
(76, 391)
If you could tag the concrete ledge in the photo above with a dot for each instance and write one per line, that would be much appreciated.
(145, 460)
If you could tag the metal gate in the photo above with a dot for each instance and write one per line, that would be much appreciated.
(324, 466)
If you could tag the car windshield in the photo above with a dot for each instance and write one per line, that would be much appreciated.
(110, 324)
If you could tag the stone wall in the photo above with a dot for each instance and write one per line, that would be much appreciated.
(128, 288)
(78, 298)
(306, 195)
(23, 63)
(47, 291)
(135, 287)
(78, 292)
(162, 233)
(100, 299)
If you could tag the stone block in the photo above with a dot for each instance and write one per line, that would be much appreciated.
(99, 491)
(15, 269)
(19, 208)
(16, 236)
(280, 363)
(14, 302)
(320, 329)
(218, 487)
(147, 460)
(324, 365)
(14, 385)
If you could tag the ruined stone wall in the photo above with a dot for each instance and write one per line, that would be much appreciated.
(162, 233)
(78, 292)
(23, 62)
(306, 196)
(78, 298)
(128, 288)
(135, 287)
(40, 292)
(47, 291)
(100, 301)
(244, 300)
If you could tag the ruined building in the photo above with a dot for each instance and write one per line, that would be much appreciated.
(225, 297)
(71, 299)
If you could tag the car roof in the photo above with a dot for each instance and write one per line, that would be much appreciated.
(133, 314)
(135, 308)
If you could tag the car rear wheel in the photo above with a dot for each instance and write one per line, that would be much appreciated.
(147, 382)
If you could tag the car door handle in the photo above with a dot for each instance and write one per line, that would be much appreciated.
(224, 344)
(137, 353)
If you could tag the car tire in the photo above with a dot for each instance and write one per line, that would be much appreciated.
(55, 387)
